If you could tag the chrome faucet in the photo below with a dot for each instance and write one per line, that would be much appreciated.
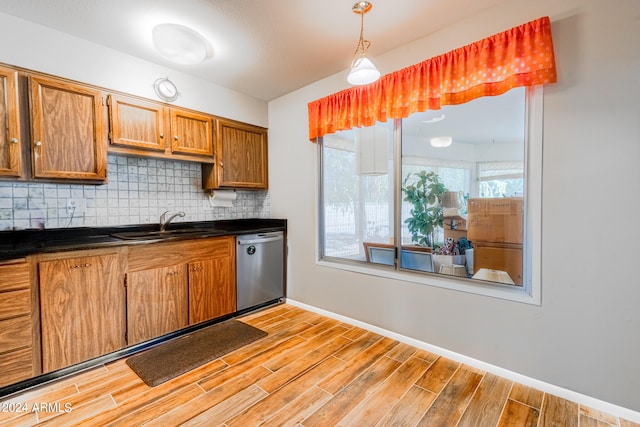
(164, 222)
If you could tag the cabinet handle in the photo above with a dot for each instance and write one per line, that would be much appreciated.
(81, 266)
(175, 137)
(172, 273)
(14, 140)
(221, 164)
(162, 135)
(196, 269)
(38, 143)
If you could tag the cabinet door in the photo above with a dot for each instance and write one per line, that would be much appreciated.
(67, 131)
(82, 306)
(191, 133)
(212, 291)
(241, 154)
(136, 123)
(10, 160)
(157, 302)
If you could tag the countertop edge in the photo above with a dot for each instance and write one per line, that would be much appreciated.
(15, 245)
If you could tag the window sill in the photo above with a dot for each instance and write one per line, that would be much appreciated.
(506, 292)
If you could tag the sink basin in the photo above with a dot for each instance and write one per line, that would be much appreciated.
(153, 235)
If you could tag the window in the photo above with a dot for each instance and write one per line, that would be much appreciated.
(462, 216)
(357, 185)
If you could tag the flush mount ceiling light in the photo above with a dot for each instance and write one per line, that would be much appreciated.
(362, 69)
(180, 44)
(434, 119)
(441, 141)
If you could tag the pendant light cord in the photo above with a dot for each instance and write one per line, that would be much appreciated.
(363, 45)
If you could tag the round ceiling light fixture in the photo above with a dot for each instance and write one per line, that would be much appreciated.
(181, 44)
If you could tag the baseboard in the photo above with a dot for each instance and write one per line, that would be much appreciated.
(573, 396)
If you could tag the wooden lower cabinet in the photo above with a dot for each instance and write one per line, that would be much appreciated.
(82, 308)
(16, 331)
(174, 284)
(212, 290)
(156, 302)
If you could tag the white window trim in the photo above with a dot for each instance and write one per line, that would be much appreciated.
(530, 292)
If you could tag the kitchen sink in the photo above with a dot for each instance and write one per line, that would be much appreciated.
(158, 234)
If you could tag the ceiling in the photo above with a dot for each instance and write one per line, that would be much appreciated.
(262, 48)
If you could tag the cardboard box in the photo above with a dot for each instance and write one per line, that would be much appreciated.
(498, 220)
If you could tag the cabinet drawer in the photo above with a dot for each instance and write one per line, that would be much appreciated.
(15, 333)
(16, 366)
(14, 276)
(165, 254)
(15, 303)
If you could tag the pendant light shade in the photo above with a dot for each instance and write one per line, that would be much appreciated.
(362, 69)
(372, 150)
(363, 72)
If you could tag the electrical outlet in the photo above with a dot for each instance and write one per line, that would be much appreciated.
(76, 207)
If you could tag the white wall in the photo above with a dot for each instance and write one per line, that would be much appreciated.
(137, 191)
(585, 336)
(35, 47)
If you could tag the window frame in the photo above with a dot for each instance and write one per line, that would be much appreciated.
(530, 291)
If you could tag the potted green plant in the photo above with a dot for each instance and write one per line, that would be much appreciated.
(425, 192)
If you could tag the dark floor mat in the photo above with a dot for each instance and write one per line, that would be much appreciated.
(182, 354)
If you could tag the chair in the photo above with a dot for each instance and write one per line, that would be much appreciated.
(412, 257)
(416, 260)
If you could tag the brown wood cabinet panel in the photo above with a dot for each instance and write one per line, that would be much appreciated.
(136, 123)
(16, 366)
(14, 276)
(82, 307)
(15, 333)
(66, 130)
(498, 256)
(212, 285)
(15, 303)
(191, 133)
(157, 302)
(241, 157)
(157, 255)
(10, 143)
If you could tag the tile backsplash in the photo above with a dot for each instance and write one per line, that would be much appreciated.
(137, 192)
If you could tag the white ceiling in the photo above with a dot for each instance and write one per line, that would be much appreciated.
(263, 48)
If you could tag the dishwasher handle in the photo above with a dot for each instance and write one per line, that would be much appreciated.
(259, 240)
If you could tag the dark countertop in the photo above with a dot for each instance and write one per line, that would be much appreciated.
(20, 243)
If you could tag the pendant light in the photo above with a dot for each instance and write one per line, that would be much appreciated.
(362, 69)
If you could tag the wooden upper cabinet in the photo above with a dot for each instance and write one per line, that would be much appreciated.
(241, 157)
(82, 308)
(66, 130)
(191, 133)
(136, 123)
(149, 128)
(10, 144)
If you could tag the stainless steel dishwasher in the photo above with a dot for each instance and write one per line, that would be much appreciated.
(259, 268)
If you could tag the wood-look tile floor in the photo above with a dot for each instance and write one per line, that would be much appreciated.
(309, 371)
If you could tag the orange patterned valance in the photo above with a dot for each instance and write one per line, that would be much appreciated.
(521, 56)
